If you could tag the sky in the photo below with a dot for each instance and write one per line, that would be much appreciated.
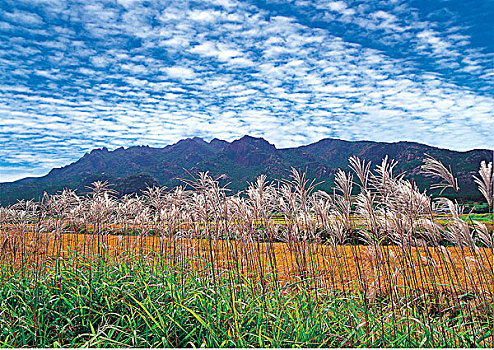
(77, 75)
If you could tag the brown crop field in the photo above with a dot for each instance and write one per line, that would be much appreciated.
(375, 269)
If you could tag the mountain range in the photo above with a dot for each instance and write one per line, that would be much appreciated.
(238, 162)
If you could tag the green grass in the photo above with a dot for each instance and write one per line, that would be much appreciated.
(485, 218)
(135, 305)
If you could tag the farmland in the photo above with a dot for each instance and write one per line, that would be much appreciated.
(278, 265)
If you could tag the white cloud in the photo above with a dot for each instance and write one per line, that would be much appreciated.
(23, 18)
(179, 72)
(204, 16)
(337, 6)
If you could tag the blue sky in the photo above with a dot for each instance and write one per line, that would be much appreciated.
(76, 75)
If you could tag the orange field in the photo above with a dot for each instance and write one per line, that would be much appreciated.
(375, 271)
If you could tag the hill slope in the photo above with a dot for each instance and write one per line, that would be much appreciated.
(236, 163)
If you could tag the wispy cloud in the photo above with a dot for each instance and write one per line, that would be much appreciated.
(83, 74)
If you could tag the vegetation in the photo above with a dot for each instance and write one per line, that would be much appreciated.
(278, 265)
(135, 305)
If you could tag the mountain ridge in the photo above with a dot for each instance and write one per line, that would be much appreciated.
(237, 163)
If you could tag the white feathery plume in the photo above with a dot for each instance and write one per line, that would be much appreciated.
(433, 167)
(485, 181)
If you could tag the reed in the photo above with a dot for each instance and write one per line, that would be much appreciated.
(277, 265)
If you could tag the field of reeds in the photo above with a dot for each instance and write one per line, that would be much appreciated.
(278, 265)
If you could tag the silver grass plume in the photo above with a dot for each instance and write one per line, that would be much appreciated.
(361, 169)
(433, 167)
(483, 235)
(344, 184)
(458, 231)
(485, 181)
